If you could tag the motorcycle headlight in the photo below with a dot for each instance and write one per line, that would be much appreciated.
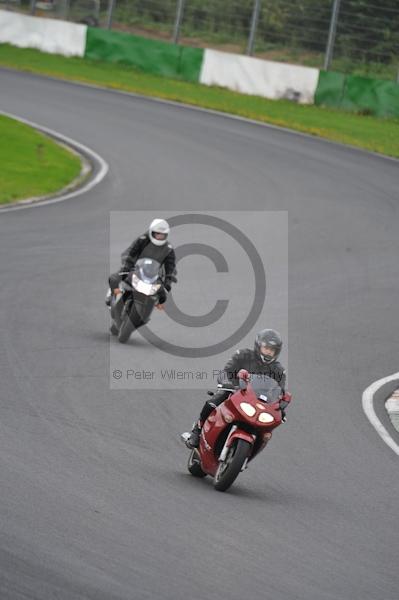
(248, 409)
(149, 289)
(265, 418)
(155, 287)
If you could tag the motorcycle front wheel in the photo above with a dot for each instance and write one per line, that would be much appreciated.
(113, 329)
(194, 465)
(126, 329)
(229, 469)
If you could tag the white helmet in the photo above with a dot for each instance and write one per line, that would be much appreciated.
(158, 232)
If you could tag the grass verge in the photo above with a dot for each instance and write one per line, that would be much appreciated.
(31, 163)
(369, 133)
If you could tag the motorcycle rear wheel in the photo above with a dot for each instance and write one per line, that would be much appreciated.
(194, 465)
(229, 470)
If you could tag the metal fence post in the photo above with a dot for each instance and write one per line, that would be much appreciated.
(32, 9)
(254, 25)
(179, 20)
(332, 34)
(67, 9)
(62, 7)
(110, 13)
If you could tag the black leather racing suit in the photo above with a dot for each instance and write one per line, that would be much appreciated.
(243, 359)
(142, 247)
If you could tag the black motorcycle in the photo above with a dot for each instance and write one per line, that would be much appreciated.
(140, 291)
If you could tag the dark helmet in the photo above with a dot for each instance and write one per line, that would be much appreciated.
(268, 338)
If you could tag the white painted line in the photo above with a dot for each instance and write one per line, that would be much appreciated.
(103, 167)
(217, 113)
(368, 407)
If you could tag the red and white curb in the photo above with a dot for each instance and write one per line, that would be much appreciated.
(368, 407)
(392, 406)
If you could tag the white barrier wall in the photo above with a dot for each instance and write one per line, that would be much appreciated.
(257, 77)
(241, 74)
(48, 35)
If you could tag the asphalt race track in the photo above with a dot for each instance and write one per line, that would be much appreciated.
(95, 499)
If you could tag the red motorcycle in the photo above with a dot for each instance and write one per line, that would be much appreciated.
(237, 430)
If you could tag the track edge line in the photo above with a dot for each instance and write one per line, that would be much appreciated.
(83, 150)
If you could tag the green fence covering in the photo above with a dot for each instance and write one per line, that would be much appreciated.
(190, 63)
(150, 56)
(358, 94)
(345, 92)
(374, 96)
(330, 89)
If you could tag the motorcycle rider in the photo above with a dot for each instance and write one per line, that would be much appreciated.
(262, 360)
(152, 244)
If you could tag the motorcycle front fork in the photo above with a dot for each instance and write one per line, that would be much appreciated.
(223, 454)
(245, 465)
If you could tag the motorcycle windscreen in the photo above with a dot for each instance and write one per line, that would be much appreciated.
(265, 388)
(147, 269)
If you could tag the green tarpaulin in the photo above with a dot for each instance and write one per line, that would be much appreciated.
(150, 56)
(346, 92)
(358, 94)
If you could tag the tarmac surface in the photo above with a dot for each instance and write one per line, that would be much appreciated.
(96, 502)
